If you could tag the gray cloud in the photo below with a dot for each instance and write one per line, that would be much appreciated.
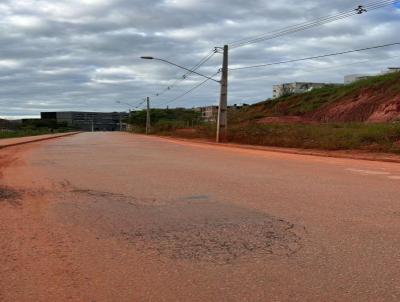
(84, 54)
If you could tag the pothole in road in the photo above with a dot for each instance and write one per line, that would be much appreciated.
(220, 242)
(208, 231)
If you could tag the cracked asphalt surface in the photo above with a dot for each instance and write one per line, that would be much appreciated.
(119, 217)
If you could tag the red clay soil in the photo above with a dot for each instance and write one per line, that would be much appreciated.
(375, 101)
(286, 120)
(371, 105)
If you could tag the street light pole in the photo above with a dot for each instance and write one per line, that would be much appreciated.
(222, 122)
(148, 123)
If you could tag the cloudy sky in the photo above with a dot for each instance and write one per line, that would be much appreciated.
(84, 54)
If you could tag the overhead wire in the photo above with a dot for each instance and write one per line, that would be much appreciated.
(315, 57)
(140, 103)
(279, 33)
(352, 10)
(186, 75)
(313, 23)
(190, 90)
(341, 65)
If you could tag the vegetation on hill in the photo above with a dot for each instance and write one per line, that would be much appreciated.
(344, 136)
(341, 136)
(364, 115)
(165, 119)
(31, 127)
(375, 99)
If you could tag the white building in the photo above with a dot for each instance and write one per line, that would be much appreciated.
(391, 70)
(351, 78)
(295, 88)
(210, 113)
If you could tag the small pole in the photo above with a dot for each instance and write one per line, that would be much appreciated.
(222, 121)
(92, 126)
(148, 123)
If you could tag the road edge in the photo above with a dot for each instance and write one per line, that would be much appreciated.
(376, 157)
(37, 139)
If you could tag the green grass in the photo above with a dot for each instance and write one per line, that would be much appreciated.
(22, 133)
(244, 128)
(372, 137)
(368, 137)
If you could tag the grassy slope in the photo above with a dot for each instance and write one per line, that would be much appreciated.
(343, 136)
(22, 133)
(369, 137)
(307, 103)
(244, 128)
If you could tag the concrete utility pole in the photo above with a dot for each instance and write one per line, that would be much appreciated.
(148, 123)
(222, 123)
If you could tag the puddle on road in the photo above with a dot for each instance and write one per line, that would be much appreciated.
(205, 231)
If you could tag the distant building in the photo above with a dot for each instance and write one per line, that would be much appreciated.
(295, 88)
(391, 70)
(210, 113)
(351, 78)
(89, 121)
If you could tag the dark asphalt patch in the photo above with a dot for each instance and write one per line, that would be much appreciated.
(218, 241)
(197, 198)
(185, 230)
(9, 195)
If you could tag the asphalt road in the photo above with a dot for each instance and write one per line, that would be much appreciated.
(118, 217)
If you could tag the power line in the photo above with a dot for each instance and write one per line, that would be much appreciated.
(353, 63)
(279, 33)
(186, 75)
(140, 104)
(352, 10)
(310, 24)
(190, 90)
(315, 57)
(285, 31)
(259, 99)
(313, 23)
(338, 66)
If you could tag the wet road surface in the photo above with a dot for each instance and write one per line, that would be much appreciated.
(118, 217)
